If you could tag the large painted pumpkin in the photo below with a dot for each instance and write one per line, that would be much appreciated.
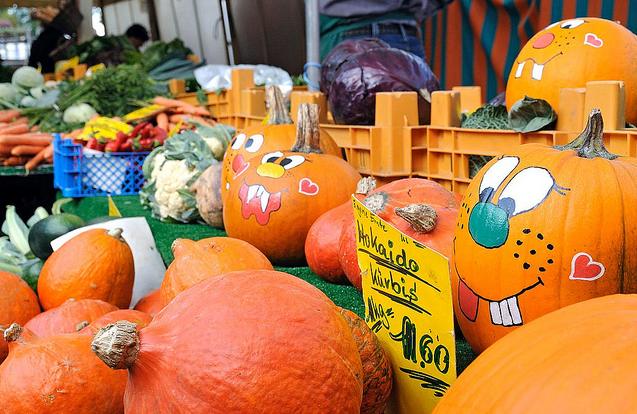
(273, 203)
(572, 52)
(253, 142)
(18, 304)
(580, 359)
(244, 342)
(541, 228)
(57, 375)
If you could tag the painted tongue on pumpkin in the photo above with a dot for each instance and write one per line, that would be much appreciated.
(468, 301)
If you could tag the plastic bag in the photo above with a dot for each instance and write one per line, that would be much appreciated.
(219, 77)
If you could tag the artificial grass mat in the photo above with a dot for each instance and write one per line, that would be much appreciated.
(165, 233)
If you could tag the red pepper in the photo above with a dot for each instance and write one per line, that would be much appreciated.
(127, 146)
(112, 146)
(160, 135)
(147, 131)
(137, 129)
(146, 144)
(92, 143)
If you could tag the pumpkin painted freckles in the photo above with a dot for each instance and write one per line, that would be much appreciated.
(543, 228)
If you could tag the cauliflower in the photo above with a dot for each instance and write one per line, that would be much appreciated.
(78, 113)
(170, 176)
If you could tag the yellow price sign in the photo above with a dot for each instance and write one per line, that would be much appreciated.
(407, 294)
(102, 127)
(143, 113)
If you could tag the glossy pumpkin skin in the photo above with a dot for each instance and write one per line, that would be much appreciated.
(59, 375)
(139, 318)
(548, 366)
(18, 304)
(151, 304)
(296, 188)
(397, 194)
(246, 342)
(256, 141)
(198, 260)
(574, 52)
(92, 265)
(67, 317)
(377, 371)
(520, 248)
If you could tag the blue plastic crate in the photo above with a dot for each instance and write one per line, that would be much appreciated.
(78, 173)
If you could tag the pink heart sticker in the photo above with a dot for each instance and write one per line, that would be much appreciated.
(583, 267)
(308, 187)
(592, 39)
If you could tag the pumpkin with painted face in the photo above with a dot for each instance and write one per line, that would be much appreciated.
(256, 141)
(541, 228)
(275, 201)
(570, 53)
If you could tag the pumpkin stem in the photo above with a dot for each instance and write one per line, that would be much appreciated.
(590, 143)
(81, 326)
(421, 217)
(366, 185)
(117, 344)
(376, 202)
(277, 112)
(13, 332)
(308, 138)
(116, 233)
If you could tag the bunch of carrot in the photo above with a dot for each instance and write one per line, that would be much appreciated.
(22, 145)
(180, 113)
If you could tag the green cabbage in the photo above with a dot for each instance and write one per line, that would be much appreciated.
(27, 77)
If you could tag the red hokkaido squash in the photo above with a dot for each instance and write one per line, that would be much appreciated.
(18, 304)
(69, 317)
(420, 208)
(140, 319)
(57, 375)
(244, 342)
(151, 303)
(578, 359)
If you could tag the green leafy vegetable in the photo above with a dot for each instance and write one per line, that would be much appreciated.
(530, 114)
(487, 117)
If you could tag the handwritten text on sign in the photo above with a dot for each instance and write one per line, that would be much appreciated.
(407, 296)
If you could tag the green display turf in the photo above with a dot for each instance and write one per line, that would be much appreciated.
(165, 233)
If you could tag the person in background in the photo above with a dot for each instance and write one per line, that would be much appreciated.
(395, 22)
(137, 35)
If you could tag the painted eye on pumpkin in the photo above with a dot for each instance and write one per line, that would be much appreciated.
(238, 141)
(292, 161)
(271, 157)
(253, 144)
(572, 24)
(495, 175)
(526, 190)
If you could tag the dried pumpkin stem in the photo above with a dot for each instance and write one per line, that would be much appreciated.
(308, 138)
(590, 143)
(117, 344)
(366, 185)
(81, 326)
(277, 112)
(421, 217)
(116, 233)
(12, 333)
(376, 202)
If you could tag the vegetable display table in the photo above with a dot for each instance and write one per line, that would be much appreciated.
(165, 233)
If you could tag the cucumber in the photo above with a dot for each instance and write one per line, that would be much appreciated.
(46, 230)
(98, 220)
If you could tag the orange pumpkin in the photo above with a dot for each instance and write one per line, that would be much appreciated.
(140, 319)
(570, 53)
(541, 228)
(275, 201)
(199, 260)
(244, 342)
(151, 303)
(579, 359)
(57, 375)
(256, 141)
(95, 264)
(69, 317)
(377, 373)
(420, 208)
(18, 304)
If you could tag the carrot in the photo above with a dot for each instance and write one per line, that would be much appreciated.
(26, 139)
(5, 149)
(169, 103)
(13, 161)
(26, 150)
(177, 118)
(49, 152)
(75, 133)
(162, 121)
(35, 161)
(8, 115)
(15, 129)
(192, 110)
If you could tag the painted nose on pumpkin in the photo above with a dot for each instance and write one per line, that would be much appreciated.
(489, 225)
(543, 41)
(270, 169)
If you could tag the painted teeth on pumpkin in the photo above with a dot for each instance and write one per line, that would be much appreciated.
(506, 312)
(265, 199)
(494, 309)
(252, 191)
(514, 307)
(518, 71)
(537, 71)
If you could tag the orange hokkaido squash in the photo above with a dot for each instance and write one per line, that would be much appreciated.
(377, 373)
(18, 304)
(198, 260)
(244, 342)
(69, 317)
(57, 375)
(140, 319)
(579, 359)
(151, 303)
(95, 264)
